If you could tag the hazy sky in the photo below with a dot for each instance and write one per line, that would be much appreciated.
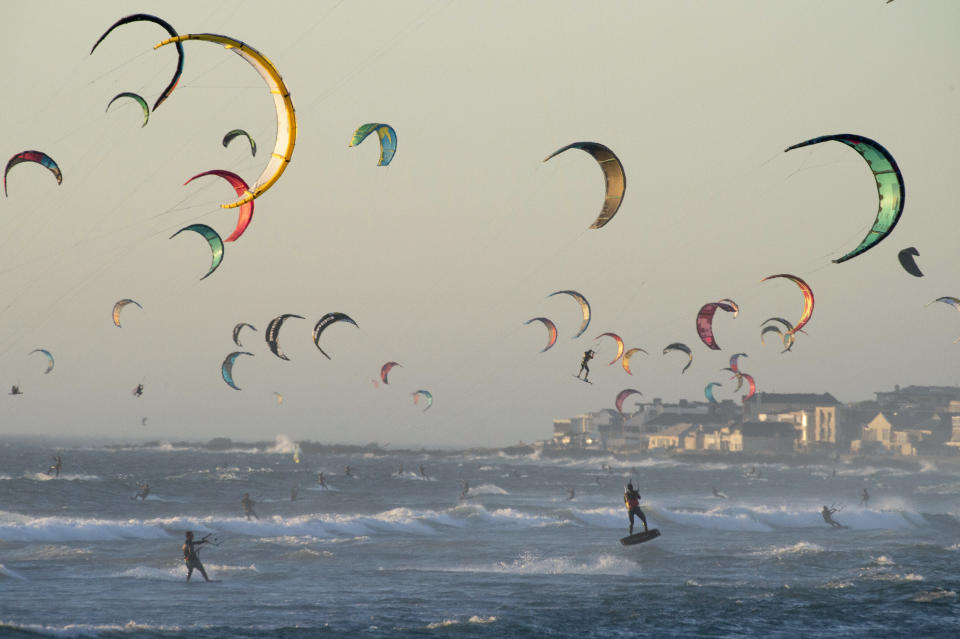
(442, 256)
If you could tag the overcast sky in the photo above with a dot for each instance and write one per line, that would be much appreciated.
(443, 255)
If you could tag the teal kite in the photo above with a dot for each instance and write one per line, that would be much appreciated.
(143, 104)
(213, 239)
(388, 139)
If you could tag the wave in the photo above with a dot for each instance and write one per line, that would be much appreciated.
(487, 489)
(532, 564)
(176, 572)
(89, 630)
(453, 622)
(799, 548)
(62, 477)
(10, 573)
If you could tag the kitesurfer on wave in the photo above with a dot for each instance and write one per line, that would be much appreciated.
(631, 499)
(144, 491)
(827, 514)
(587, 356)
(191, 556)
(57, 465)
(248, 504)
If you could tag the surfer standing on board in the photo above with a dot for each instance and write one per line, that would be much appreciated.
(191, 556)
(631, 499)
(587, 356)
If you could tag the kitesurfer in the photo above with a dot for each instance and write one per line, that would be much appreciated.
(248, 504)
(864, 497)
(587, 356)
(15, 390)
(57, 465)
(571, 493)
(348, 471)
(293, 493)
(423, 473)
(827, 514)
(144, 491)
(191, 556)
(717, 493)
(138, 391)
(631, 499)
(466, 490)
(323, 480)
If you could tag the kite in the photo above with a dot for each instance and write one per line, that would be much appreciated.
(613, 173)
(807, 306)
(228, 138)
(385, 370)
(212, 238)
(584, 308)
(236, 332)
(32, 156)
(246, 209)
(626, 358)
(683, 348)
(551, 331)
(279, 398)
(753, 386)
(734, 305)
(226, 369)
(388, 139)
(622, 395)
(273, 333)
(140, 101)
(705, 322)
(952, 301)
(173, 33)
(286, 118)
(735, 358)
(426, 395)
(619, 345)
(908, 261)
(326, 321)
(708, 392)
(889, 186)
(119, 306)
(49, 358)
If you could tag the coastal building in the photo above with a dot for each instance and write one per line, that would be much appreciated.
(768, 437)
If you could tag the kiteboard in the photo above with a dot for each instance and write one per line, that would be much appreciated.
(583, 380)
(640, 537)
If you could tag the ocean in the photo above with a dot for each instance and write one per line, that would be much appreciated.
(388, 552)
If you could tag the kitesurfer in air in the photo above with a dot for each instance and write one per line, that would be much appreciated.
(191, 556)
(631, 499)
(144, 491)
(584, 368)
(15, 390)
(248, 504)
(138, 391)
(827, 514)
(57, 465)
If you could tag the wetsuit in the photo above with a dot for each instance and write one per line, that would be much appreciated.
(192, 559)
(587, 356)
(248, 507)
(631, 499)
(827, 517)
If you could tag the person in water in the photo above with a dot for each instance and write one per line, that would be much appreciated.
(631, 499)
(248, 505)
(138, 391)
(191, 556)
(587, 356)
(864, 497)
(827, 514)
(144, 491)
(57, 465)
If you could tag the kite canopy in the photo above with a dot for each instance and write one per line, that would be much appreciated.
(889, 186)
(32, 156)
(388, 139)
(705, 322)
(212, 238)
(228, 138)
(624, 394)
(619, 342)
(426, 395)
(137, 17)
(385, 370)
(752, 384)
(551, 331)
(138, 99)
(49, 358)
(119, 307)
(226, 369)
(626, 358)
(683, 348)
(613, 173)
(326, 321)
(236, 332)
(286, 118)
(908, 261)
(272, 333)
(584, 308)
(708, 392)
(246, 209)
(807, 307)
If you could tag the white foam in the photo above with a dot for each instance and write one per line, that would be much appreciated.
(87, 630)
(11, 573)
(62, 477)
(532, 564)
(799, 548)
(488, 489)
